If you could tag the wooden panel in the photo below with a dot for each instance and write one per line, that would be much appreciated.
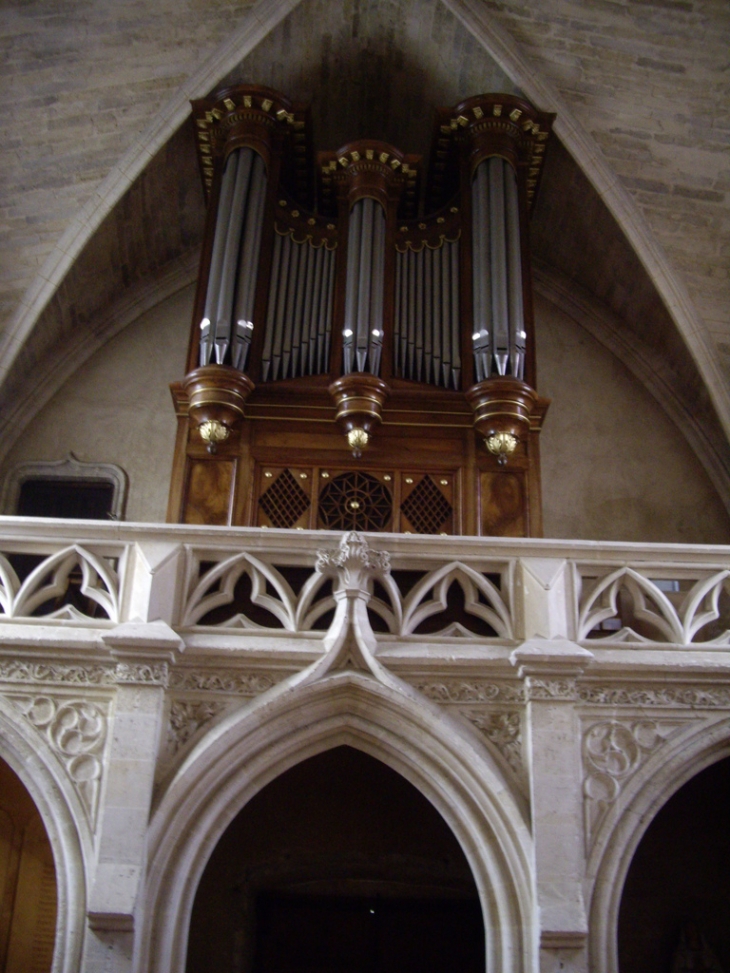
(503, 504)
(208, 497)
(28, 902)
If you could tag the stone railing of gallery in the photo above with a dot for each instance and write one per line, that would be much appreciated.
(245, 587)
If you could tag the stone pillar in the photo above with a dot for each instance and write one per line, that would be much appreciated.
(549, 663)
(143, 652)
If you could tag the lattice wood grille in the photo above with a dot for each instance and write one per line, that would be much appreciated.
(284, 501)
(355, 501)
(426, 508)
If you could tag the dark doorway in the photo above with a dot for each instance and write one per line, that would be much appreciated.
(679, 880)
(338, 866)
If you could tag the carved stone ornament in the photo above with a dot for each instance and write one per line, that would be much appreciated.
(472, 691)
(142, 673)
(692, 697)
(503, 729)
(353, 561)
(551, 688)
(76, 730)
(225, 681)
(186, 718)
(31, 672)
(613, 751)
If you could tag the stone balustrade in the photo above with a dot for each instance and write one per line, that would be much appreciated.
(568, 686)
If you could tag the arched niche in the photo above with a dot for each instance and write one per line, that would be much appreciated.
(28, 899)
(680, 875)
(338, 862)
(250, 749)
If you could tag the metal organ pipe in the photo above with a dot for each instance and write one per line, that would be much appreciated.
(426, 323)
(498, 340)
(363, 330)
(248, 265)
(227, 322)
(216, 260)
(514, 275)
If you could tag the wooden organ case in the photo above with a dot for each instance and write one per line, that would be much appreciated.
(362, 351)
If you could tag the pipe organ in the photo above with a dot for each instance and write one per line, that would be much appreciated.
(362, 350)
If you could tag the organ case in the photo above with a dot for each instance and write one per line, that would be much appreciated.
(362, 349)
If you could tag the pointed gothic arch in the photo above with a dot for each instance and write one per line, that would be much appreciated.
(287, 725)
(703, 743)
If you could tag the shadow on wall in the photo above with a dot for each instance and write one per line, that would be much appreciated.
(676, 899)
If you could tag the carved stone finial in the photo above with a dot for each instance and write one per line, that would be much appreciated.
(353, 561)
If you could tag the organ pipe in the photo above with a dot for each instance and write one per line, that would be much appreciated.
(363, 322)
(499, 336)
(227, 323)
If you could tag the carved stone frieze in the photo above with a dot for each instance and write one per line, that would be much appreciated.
(471, 691)
(76, 730)
(32, 672)
(613, 750)
(142, 673)
(186, 718)
(231, 681)
(693, 697)
(550, 688)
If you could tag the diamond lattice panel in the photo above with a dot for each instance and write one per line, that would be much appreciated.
(426, 508)
(284, 502)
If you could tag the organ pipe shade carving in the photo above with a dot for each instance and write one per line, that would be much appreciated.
(499, 334)
(227, 325)
(362, 335)
(299, 316)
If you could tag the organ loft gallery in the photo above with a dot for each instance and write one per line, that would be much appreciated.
(364, 520)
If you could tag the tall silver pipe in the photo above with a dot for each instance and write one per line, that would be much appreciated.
(497, 241)
(404, 315)
(378, 281)
(446, 316)
(354, 242)
(364, 288)
(317, 324)
(437, 315)
(207, 325)
(481, 273)
(419, 258)
(455, 345)
(514, 263)
(286, 248)
(427, 314)
(397, 312)
(304, 368)
(330, 265)
(291, 292)
(248, 264)
(296, 341)
(224, 308)
(271, 309)
(412, 323)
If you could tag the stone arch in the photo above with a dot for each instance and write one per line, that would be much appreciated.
(27, 754)
(288, 725)
(626, 823)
